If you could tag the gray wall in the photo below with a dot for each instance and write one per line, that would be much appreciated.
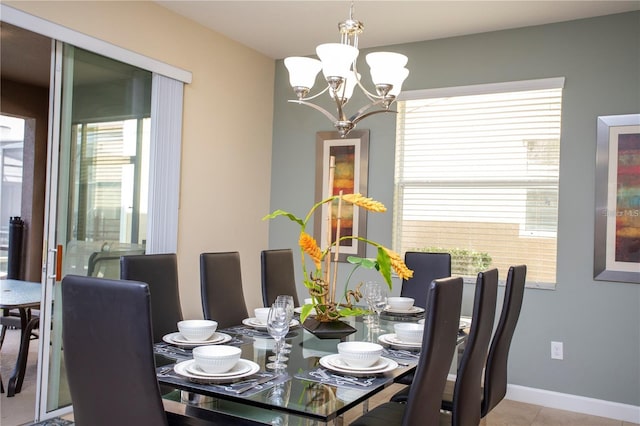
(599, 322)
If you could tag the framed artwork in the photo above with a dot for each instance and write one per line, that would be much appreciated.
(617, 225)
(351, 156)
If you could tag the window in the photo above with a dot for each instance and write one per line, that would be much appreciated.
(477, 171)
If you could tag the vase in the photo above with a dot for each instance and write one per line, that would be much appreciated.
(334, 329)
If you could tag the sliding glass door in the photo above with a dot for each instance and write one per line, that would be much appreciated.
(98, 187)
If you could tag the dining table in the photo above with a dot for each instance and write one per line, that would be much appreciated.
(22, 296)
(309, 390)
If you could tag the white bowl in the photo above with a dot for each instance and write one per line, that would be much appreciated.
(197, 329)
(261, 314)
(400, 303)
(215, 359)
(409, 332)
(359, 354)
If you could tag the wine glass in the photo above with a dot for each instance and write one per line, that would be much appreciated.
(288, 302)
(370, 290)
(379, 304)
(278, 327)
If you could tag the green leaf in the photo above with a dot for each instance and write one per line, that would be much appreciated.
(384, 263)
(291, 216)
(347, 312)
(304, 313)
(362, 261)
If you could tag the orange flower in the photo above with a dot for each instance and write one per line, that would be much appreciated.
(309, 245)
(364, 202)
(398, 265)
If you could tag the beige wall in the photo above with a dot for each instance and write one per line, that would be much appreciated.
(227, 129)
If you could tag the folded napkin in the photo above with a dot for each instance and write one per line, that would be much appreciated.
(328, 377)
(167, 376)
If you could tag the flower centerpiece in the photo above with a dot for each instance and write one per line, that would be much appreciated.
(321, 283)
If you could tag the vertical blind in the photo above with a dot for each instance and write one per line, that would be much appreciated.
(477, 176)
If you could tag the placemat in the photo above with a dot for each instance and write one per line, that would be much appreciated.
(322, 375)
(168, 376)
(401, 354)
(245, 330)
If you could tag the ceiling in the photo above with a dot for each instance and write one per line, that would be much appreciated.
(285, 28)
(294, 28)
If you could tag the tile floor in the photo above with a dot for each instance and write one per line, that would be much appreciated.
(19, 410)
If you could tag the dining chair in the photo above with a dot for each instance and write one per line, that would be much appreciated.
(444, 298)
(108, 352)
(160, 272)
(464, 400)
(278, 275)
(221, 288)
(495, 374)
(426, 267)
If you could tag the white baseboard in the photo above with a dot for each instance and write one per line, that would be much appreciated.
(575, 403)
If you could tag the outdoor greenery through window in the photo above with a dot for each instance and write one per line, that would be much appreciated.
(477, 172)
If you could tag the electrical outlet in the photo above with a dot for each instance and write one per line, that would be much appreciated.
(556, 350)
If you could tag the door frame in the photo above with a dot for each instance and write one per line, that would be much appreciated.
(60, 35)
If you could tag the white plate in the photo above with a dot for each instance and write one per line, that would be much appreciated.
(389, 366)
(171, 339)
(336, 361)
(253, 322)
(240, 368)
(298, 310)
(413, 310)
(392, 339)
(215, 337)
(465, 322)
(181, 369)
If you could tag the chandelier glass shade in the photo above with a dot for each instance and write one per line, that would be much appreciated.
(338, 62)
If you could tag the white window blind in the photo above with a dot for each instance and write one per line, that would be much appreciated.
(477, 176)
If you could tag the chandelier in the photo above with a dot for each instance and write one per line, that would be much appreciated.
(338, 64)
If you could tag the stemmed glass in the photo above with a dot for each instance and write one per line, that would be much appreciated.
(278, 327)
(379, 301)
(371, 288)
(289, 306)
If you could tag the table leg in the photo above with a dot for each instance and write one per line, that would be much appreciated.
(15, 381)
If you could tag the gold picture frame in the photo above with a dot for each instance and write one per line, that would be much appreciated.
(351, 176)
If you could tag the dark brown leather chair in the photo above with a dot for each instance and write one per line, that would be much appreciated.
(278, 275)
(495, 375)
(444, 298)
(426, 267)
(160, 271)
(108, 352)
(463, 401)
(221, 288)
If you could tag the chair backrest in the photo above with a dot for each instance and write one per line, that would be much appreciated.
(160, 272)
(495, 376)
(106, 264)
(426, 267)
(108, 352)
(221, 288)
(444, 299)
(278, 275)
(467, 394)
